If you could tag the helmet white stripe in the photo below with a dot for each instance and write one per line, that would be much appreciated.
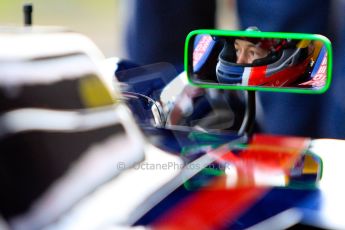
(245, 76)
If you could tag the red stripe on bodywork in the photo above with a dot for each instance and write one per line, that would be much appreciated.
(210, 209)
(215, 206)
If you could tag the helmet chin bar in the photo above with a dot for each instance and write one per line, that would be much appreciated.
(249, 116)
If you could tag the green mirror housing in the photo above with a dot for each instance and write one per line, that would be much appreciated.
(254, 60)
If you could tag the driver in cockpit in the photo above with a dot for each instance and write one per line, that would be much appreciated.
(251, 61)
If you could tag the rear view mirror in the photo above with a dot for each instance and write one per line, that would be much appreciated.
(252, 60)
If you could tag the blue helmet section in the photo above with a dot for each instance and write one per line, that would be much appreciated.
(228, 73)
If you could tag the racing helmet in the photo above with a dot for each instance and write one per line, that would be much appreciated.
(286, 61)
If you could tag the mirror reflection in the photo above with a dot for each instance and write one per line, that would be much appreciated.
(258, 61)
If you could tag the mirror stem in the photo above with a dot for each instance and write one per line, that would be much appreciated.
(249, 116)
(27, 10)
